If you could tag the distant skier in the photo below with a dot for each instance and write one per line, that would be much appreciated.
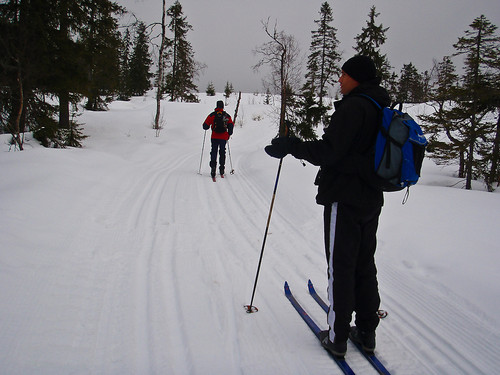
(222, 128)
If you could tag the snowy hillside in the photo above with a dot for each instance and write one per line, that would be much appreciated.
(119, 258)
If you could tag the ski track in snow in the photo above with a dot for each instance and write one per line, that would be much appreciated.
(425, 324)
(153, 277)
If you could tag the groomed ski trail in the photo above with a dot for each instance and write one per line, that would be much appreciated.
(150, 267)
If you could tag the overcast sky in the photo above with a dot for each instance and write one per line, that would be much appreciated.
(225, 32)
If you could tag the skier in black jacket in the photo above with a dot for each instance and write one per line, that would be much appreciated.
(351, 205)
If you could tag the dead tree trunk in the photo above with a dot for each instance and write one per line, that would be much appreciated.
(159, 82)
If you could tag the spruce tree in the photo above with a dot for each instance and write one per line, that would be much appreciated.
(139, 76)
(267, 97)
(180, 58)
(411, 85)
(38, 57)
(69, 80)
(66, 64)
(494, 173)
(493, 176)
(480, 46)
(25, 45)
(369, 41)
(392, 83)
(323, 61)
(101, 41)
(124, 56)
(322, 71)
(228, 90)
(210, 89)
(46, 49)
(444, 131)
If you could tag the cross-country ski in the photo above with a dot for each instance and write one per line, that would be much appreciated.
(341, 362)
(371, 357)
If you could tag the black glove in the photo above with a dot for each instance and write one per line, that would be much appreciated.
(281, 146)
(206, 127)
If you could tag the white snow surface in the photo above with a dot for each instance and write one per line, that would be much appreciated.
(119, 258)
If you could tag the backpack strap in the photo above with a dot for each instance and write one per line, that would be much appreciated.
(371, 99)
(381, 113)
(383, 130)
(399, 104)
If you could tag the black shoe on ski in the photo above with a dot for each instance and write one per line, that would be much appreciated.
(365, 339)
(213, 166)
(338, 349)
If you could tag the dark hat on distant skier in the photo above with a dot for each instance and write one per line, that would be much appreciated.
(220, 104)
(361, 68)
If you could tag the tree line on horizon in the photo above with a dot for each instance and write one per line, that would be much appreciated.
(60, 52)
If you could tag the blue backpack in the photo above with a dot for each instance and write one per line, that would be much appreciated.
(399, 149)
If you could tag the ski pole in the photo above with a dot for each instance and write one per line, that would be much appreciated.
(202, 149)
(250, 308)
(230, 159)
(234, 123)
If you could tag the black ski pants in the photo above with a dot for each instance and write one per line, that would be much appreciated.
(220, 146)
(350, 243)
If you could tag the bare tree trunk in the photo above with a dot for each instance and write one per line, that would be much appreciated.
(283, 129)
(159, 91)
(64, 93)
(237, 107)
(461, 165)
(64, 109)
(282, 55)
(470, 154)
(494, 176)
(16, 129)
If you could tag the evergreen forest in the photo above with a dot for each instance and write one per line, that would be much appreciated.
(60, 57)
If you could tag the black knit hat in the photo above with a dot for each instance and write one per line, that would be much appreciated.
(361, 68)
(220, 104)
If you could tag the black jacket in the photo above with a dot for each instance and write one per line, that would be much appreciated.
(343, 151)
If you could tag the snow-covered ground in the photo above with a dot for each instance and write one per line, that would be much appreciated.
(119, 258)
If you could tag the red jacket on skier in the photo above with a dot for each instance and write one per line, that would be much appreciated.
(210, 122)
